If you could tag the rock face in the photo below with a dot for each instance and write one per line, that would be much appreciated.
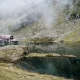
(13, 52)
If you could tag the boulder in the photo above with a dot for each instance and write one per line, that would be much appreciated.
(13, 52)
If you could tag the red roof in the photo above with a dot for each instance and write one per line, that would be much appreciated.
(5, 36)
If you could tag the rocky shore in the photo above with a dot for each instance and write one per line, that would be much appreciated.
(13, 52)
(10, 68)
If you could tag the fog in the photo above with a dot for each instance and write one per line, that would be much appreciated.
(14, 13)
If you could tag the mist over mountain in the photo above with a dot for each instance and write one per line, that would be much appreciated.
(39, 18)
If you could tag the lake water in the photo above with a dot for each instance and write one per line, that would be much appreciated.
(57, 66)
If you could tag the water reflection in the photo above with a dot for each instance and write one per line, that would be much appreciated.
(58, 48)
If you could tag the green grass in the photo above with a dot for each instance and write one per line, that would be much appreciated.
(13, 73)
(74, 36)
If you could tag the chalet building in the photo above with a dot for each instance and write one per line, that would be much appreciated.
(7, 40)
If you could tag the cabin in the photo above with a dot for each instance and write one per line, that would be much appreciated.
(8, 40)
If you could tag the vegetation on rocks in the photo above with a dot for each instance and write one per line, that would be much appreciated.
(75, 12)
(73, 16)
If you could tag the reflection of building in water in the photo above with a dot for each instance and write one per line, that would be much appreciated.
(7, 40)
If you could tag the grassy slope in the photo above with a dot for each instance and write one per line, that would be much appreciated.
(74, 36)
(7, 72)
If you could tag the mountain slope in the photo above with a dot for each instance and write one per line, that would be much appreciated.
(47, 19)
(65, 27)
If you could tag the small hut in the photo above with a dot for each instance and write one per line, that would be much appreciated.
(7, 40)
